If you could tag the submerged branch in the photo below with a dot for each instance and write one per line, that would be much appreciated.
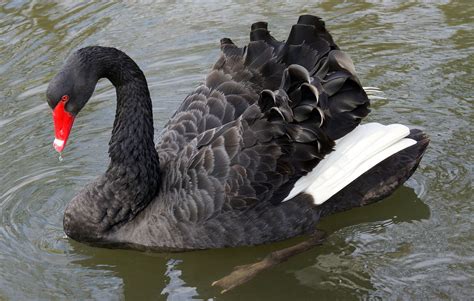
(244, 273)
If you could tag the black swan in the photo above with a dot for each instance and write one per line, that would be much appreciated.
(268, 145)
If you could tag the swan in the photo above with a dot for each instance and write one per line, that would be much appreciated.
(271, 142)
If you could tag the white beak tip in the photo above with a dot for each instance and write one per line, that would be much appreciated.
(58, 145)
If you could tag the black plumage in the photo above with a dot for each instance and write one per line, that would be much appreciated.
(266, 115)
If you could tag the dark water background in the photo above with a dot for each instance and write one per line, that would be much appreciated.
(417, 244)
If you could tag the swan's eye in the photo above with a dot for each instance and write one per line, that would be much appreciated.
(64, 98)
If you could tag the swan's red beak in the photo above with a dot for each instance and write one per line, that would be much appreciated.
(63, 121)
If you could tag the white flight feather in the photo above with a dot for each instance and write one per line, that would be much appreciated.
(354, 154)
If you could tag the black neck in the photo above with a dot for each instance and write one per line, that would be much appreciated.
(134, 163)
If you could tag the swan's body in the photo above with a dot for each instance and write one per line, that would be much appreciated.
(248, 158)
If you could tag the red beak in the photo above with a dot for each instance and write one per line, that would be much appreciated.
(63, 121)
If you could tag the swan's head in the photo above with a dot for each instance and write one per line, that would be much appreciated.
(68, 92)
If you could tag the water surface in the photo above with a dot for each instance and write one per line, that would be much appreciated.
(417, 244)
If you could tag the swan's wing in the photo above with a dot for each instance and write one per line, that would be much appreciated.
(205, 109)
(232, 143)
(240, 74)
(230, 88)
(255, 159)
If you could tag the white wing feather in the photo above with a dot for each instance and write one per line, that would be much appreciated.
(354, 154)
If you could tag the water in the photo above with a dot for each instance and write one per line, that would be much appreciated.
(417, 244)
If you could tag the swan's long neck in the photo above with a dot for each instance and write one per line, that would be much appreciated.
(134, 165)
(132, 134)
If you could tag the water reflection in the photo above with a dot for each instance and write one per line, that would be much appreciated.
(402, 206)
(176, 288)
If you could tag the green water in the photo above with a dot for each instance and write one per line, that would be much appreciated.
(417, 244)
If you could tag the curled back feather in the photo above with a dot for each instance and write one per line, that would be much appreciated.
(266, 115)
